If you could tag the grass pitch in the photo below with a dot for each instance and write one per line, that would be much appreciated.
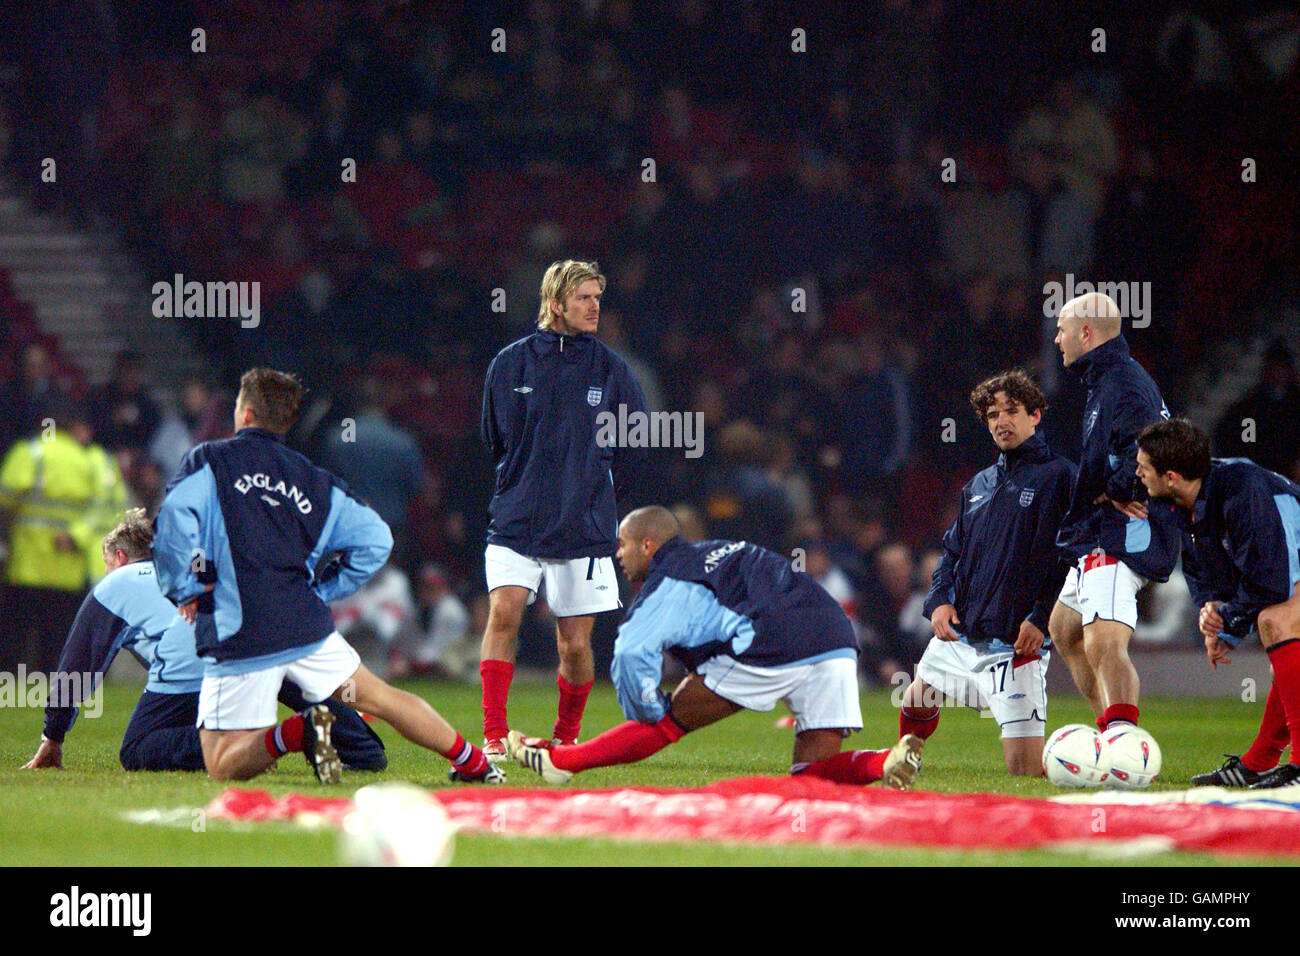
(75, 817)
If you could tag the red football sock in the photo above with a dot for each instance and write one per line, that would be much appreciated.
(917, 720)
(287, 738)
(626, 743)
(573, 699)
(1119, 712)
(1285, 658)
(851, 766)
(1272, 738)
(466, 758)
(497, 676)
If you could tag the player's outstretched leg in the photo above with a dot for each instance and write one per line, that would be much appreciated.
(418, 722)
(1263, 755)
(896, 767)
(629, 742)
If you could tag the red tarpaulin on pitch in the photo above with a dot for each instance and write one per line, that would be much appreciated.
(808, 810)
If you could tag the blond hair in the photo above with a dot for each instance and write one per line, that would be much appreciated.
(133, 534)
(561, 279)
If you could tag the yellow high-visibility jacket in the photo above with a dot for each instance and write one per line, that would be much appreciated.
(51, 486)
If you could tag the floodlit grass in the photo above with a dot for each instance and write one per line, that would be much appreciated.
(74, 817)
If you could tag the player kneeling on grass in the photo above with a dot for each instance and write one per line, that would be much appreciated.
(251, 542)
(752, 631)
(1243, 568)
(992, 594)
(126, 610)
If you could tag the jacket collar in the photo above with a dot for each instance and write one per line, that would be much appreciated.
(253, 432)
(548, 340)
(665, 549)
(1033, 449)
(1201, 506)
(1090, 367)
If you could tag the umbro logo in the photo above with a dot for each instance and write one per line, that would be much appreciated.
(975, 498)
(270, 501)
(524, 389)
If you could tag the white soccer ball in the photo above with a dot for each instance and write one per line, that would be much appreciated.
(396, 824)
(1076, 756)
(1135, 758)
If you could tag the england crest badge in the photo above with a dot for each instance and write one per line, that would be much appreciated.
(1026, 497)
(594, 395)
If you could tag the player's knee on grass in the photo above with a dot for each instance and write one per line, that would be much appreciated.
(1024, 756)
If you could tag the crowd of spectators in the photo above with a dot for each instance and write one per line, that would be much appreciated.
(819, 249)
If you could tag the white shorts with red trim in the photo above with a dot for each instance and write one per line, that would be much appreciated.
(1013, 690)
(1101, 587)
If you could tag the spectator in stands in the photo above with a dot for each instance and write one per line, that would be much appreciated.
(35, 388)
(205, 415)
(442, 645)
(126, 416)
(1265, 424)
(874, 417)
(260, 138)
(379, 461)
(742, 501)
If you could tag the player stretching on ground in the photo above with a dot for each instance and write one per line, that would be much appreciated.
(994, 588)
(752, 631)
(1117, 545)
(553, 513)
(127, 611)
(1243, 568)
(245, 523)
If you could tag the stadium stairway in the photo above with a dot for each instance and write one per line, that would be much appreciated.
(86, 292)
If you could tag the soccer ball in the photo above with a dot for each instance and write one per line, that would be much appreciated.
(1076, 756)
(396, 824)
(1134, 757)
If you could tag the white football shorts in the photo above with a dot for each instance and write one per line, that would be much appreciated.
(821, 695)
(986, 679)
(250, 701)
(1105, 588)
(574, 586)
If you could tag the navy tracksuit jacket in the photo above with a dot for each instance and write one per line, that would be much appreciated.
(721, 598)
(1244, 548)
(1001, 565)
(1122, 400)
(555, 484)
(278, 536)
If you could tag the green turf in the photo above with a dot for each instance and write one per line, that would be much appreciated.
(74, 817)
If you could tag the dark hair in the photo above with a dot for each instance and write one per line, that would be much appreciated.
(274, 397)
(1019, 386)
(1177, 445)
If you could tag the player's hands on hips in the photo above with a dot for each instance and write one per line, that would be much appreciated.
(1133, 509)
(1029, 640)
(190, 609)
(942, 620)
(48, 755)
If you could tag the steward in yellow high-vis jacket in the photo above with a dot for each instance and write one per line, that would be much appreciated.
(59, 495)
